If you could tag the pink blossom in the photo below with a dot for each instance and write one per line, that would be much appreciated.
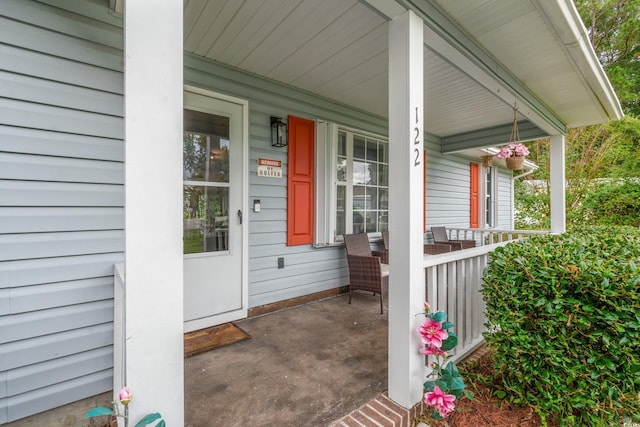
(432, 333)
(444, 413)
(513, 149)
(124, 396)
(427, 306)
(443, 403)
(432, 351)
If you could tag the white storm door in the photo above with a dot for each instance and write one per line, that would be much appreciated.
(213, 151)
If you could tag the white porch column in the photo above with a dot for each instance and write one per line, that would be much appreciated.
(153, 200)
(406, 279)
(557, 184)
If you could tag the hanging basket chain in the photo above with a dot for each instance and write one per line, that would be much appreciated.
(515, 135)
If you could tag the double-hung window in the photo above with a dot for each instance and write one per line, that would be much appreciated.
(490, 190)
(355, 186)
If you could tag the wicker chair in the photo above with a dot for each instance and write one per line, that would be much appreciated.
(385, 240)
(437, 248)
(365, 266)
(440, 236)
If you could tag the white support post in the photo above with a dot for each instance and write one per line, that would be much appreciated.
(406, 278)
(154, 364)
(557, 184)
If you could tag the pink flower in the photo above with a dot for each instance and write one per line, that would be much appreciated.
(432, 333)
(443, 403)
(124, 396)
(444, 413)
(432, 351)
(513, 149)
(427, 306)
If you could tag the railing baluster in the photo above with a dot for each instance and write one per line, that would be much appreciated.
(453, 283)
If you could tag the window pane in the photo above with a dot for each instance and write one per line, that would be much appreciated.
(206, 147)
(383, 152)
(383, 175)
(358, 222)
(372, 150)
(383, 221)
(341, 218)
(359, 197)
(372, 198)
(371, 221)
(342, 144)
(373, 174)
(361, 173)
(383, 198)
(342, 169)
(358, 147)
(205, 219)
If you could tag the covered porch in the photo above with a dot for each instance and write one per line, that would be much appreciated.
(139, 135)
(326, 362)
(432, 73)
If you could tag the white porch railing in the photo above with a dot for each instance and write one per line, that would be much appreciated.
(453, 282)
(489, 236)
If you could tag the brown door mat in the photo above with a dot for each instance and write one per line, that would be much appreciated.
(202, 340)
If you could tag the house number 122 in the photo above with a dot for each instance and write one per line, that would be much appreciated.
(416, 142)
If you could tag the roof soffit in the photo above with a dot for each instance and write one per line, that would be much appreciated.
(451, 41)
(558, 64)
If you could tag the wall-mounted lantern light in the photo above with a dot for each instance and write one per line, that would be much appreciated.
(278, 132)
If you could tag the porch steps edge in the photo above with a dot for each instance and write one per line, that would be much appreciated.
(384, 412)
(380, 412)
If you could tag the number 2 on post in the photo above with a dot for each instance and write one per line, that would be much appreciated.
(416, 141)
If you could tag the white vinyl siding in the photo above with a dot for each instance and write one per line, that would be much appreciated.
(61, 200)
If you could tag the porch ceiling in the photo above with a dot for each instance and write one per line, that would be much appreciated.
(338, 49)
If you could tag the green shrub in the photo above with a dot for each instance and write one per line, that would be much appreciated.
(611, 204)
(564, 319)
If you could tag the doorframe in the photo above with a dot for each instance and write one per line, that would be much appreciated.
(242, 312)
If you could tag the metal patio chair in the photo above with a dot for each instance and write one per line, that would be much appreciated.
(366, 270)
(440, 236)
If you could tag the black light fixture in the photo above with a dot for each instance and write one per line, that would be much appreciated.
(278, 132)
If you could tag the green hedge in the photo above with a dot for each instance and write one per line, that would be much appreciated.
(564, 319)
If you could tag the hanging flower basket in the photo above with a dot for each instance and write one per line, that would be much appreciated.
(514, 152)
(515, 162)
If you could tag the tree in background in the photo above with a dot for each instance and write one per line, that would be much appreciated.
(603, 161)
(614, 30)
(598, 160)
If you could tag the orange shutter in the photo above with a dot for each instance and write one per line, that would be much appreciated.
(474, 190)
(300, 181)
(424, 195)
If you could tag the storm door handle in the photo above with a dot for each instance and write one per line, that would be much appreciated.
(240, 216)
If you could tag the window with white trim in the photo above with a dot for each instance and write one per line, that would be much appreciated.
(490, 192)
(352, 183)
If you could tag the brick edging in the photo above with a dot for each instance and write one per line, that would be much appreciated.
(380, 412)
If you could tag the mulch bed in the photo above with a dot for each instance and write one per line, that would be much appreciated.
(485, 409)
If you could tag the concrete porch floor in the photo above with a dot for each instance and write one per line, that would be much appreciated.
(308, 365)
